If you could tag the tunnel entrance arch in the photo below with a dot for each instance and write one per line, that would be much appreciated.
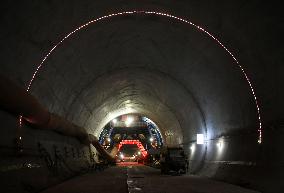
(161, 15)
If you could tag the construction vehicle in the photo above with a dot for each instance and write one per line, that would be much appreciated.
(173, 159)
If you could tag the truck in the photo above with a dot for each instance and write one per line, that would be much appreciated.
(173, 159)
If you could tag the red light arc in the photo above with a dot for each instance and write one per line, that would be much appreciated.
(162, 15)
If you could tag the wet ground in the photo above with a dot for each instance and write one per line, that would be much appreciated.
(135, 178)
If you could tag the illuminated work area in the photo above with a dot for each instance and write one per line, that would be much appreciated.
(141, 96)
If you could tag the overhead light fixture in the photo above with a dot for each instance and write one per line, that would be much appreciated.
(200, 139)
(129, 120)
(114, 121)
(220, 144)
(192, 148)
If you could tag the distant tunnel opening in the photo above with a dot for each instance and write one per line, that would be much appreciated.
(128, 132)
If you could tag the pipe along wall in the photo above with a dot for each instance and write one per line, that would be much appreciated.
(17, 101)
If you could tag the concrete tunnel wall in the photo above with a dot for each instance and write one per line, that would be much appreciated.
(156, 66)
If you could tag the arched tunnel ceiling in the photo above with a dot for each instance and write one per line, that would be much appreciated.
(251, 29)
(153, 62)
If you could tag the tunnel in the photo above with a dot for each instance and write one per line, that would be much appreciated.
(209, 69)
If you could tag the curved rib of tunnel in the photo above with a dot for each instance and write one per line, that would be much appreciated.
(153, 66)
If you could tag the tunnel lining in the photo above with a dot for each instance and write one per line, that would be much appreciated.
(133, 103)
(165, 15)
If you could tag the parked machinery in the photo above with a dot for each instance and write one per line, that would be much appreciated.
(173, 159)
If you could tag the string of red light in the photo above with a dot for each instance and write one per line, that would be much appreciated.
(164, 15)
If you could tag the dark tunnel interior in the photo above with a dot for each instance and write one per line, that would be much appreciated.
(177, 69)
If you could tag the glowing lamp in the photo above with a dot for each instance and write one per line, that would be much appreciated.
(200, 139)
(129, 120)
(220, 144)
(114, 121)
(192, 148)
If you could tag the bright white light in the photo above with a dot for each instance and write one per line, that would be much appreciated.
(139, 153)
(108, 139)
(112, 115)
(151, 139)
(200, 139)
(220, 144)
(121, 156)
(192, 148)
(129, 120)
(114, 121)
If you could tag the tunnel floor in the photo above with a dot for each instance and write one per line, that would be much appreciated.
(134, 178)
